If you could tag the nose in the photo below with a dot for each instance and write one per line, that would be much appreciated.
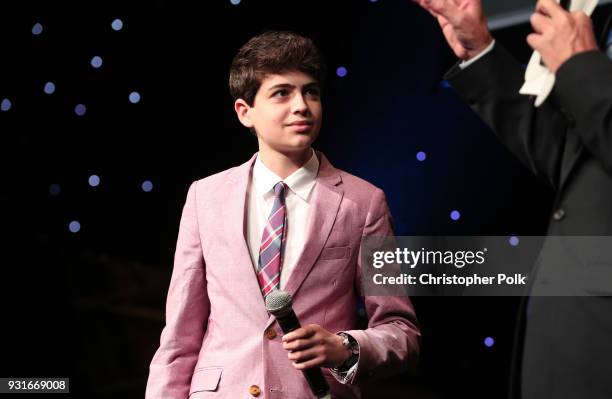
(299, 105)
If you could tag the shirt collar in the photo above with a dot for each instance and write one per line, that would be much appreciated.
(300, 182)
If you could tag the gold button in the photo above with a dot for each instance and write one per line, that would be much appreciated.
(270, 333)
(254, 390)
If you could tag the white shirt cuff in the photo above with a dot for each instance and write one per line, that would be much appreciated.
(484, 52)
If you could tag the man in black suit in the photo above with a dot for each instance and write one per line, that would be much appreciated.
(567, 341)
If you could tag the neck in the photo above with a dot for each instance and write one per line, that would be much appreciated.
(284, 164)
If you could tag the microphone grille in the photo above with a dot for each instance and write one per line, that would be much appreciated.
(278, 301)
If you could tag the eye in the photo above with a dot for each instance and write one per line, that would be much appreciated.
(313, 91)
(280, 93)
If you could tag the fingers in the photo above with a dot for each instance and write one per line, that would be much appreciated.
(302, 343)
(540, 23)
(535, 41)
(302, 332)
(305, 355)
(446, 8)
(550, 8)
(314, 362)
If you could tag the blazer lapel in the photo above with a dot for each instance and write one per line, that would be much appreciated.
(327, 197)
(234, 211)
(571, 153)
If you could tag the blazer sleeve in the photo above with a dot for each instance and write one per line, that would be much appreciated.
(584, 88)
(187, 310)
(391, 342)
(536, 136)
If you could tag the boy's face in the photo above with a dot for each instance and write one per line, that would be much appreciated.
(286, 113)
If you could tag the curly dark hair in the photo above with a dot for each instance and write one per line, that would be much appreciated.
(272, 52)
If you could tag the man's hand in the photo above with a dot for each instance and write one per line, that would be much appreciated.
(559, 34)
(314, 346)
(463, 23)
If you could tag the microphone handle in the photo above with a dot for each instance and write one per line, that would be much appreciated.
(314, 376)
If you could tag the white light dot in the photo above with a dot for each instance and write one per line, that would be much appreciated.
(94, 180)
(147, 186)
(235, 2)
(49, 88)
(96, 62)
(455, 215)
(117, 24)
(74, 226)
(80, 109)
(5, 105)
(37, 29)
(134, 97)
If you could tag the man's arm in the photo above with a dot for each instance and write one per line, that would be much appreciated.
(584, 74)
(584, 86)
(491, 87)
(187, 310)
(391, 343)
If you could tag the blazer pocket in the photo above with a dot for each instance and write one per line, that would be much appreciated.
(206, 379)
(335, 253)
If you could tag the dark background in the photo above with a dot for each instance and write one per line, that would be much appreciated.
(89, 305)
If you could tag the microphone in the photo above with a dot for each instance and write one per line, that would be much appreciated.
(278, 303)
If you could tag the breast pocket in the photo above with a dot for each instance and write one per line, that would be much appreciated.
(335, 253)
(205, 379)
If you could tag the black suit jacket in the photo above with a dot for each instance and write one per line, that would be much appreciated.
(567, 349)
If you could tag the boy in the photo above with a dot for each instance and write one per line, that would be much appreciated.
(219, 340)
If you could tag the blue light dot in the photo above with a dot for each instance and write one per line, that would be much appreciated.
(55, 189)
(489, 342)
(421, 156)
(147, 186)
(74, 226)
(80, 109)
(341, 71)
(94, 180)
(6, 104)
(49, 88)
(96, 62)
(37, 29)
(117, 24)
(134, 97)
(455, 215)
(514, 241)
(235, 2)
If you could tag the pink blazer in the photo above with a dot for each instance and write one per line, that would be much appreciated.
(220, 342)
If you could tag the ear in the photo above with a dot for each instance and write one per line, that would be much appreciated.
(243, 111)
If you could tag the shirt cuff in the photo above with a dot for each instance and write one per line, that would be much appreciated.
(345, 376)
(472, 60)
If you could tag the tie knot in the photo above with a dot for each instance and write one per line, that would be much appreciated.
(279, 189)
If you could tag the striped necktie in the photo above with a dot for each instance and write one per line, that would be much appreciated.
(270, 251)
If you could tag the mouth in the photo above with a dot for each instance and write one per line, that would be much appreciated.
(300, 123)
(301, 126)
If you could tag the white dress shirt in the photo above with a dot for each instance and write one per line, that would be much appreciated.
(297, 205)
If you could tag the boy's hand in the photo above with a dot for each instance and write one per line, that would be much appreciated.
(559, 35)
(463, 23)
(314, 346)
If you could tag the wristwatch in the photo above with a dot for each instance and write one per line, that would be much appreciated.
(353, 347)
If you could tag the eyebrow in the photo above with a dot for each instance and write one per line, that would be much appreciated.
(290, 86)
